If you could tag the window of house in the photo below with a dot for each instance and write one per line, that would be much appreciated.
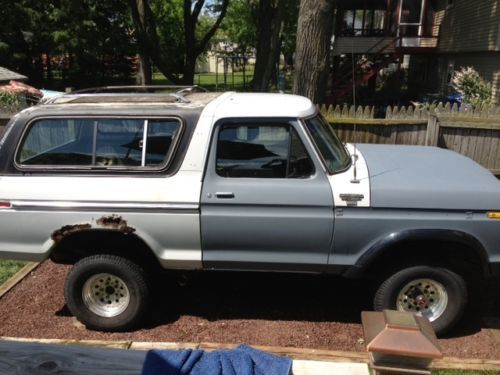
(261, 151)
(99, 143)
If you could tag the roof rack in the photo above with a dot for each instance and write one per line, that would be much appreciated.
(120, 94)
(139, 89)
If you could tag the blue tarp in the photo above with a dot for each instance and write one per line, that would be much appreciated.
(242, 360)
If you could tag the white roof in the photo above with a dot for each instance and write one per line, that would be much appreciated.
(263, 105)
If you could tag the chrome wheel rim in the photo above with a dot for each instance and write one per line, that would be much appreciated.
(106, 295)
(424, 297)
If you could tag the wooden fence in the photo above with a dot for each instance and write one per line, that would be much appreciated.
(475, 134)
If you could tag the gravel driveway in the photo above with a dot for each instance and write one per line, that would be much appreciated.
(260, 309)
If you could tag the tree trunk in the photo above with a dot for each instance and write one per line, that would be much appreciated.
(270, 17)
(314, 32)
(144, 71)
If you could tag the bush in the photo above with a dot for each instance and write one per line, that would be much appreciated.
(10, 102)
(474, 90)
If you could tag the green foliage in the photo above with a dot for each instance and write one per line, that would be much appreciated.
(170, 29)
(240, 25)
(8, 268)
(10, 102)
(83, 42)
(474, 89)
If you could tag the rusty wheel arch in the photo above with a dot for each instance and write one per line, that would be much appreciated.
(75, 242)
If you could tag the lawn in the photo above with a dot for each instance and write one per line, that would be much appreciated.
(8, 268)
(214, 82)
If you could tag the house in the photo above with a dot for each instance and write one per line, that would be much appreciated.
(7, 75)
(430, 38)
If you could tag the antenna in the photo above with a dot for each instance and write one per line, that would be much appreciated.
(354, 155)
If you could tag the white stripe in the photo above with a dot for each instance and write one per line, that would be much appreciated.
(342, 183)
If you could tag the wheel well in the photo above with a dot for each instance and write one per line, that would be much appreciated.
(458, 257)
(81, 244)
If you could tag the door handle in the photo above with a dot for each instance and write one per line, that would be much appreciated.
(224, 195)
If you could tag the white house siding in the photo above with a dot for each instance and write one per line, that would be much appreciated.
(470, 26)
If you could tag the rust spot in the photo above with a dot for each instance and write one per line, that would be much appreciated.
(66, 230)
(115, 222)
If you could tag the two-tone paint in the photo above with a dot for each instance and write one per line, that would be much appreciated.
(191, 218)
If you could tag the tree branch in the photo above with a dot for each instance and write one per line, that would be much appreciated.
(204, 41)
(147, 36)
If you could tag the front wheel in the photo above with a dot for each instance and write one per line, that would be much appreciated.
(106, 292)
(436, 293)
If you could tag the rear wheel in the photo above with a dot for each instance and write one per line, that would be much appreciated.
(106, 292)
(436, 293)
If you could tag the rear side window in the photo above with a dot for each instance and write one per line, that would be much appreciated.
(105, 142)
(261, 151)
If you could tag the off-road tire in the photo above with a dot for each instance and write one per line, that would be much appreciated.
(386, 297)
(129, 275)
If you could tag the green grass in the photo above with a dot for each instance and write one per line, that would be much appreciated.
(8, 268)
(214, 82)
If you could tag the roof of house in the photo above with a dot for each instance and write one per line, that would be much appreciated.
(7, 75)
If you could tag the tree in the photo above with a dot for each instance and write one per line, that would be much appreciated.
(270, 16)
(314, 32)
(239, 27)
(266, 27)
(86, 41)
(154, 36)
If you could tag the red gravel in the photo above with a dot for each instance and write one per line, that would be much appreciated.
(260, 309)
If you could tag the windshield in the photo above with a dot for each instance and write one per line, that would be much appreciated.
(329, 146)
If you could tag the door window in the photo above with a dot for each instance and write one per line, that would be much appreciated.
(261, 151)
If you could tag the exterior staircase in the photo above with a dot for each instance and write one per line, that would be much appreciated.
(366, 66)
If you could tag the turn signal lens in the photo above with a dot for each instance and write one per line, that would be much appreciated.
(4, 204)
(493, 215)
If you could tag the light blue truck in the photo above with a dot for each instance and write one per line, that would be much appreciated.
(124, 184)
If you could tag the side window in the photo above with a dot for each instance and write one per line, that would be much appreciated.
(261, 151)
(58, 142)
(107, 142)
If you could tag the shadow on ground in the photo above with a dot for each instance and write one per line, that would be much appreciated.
(288, 297)
(230, 295)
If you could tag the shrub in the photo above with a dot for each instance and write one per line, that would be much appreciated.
(10, 102)
(474, 89)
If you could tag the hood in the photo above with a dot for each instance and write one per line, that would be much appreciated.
(428, 178)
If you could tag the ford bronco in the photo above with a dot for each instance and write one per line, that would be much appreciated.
(119, 184)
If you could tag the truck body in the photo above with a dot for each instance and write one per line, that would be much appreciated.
(237, 182)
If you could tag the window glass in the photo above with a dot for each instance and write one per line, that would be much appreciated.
(161, 133)
(107, 142)
(331, 149)
(58, 142)
(262, 151)
(119, 142)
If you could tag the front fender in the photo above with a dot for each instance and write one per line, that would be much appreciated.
(384, 245)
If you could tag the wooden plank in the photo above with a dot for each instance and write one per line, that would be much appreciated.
(471, 123)
(33, 358)
(494, 159)
(140, 345)
(493, 153)
(17, 277)
(377, 121)
(301, 367)
(294, 353)
(93, 343)
(432, 131)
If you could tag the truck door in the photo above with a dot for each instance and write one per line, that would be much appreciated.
(266, 202)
